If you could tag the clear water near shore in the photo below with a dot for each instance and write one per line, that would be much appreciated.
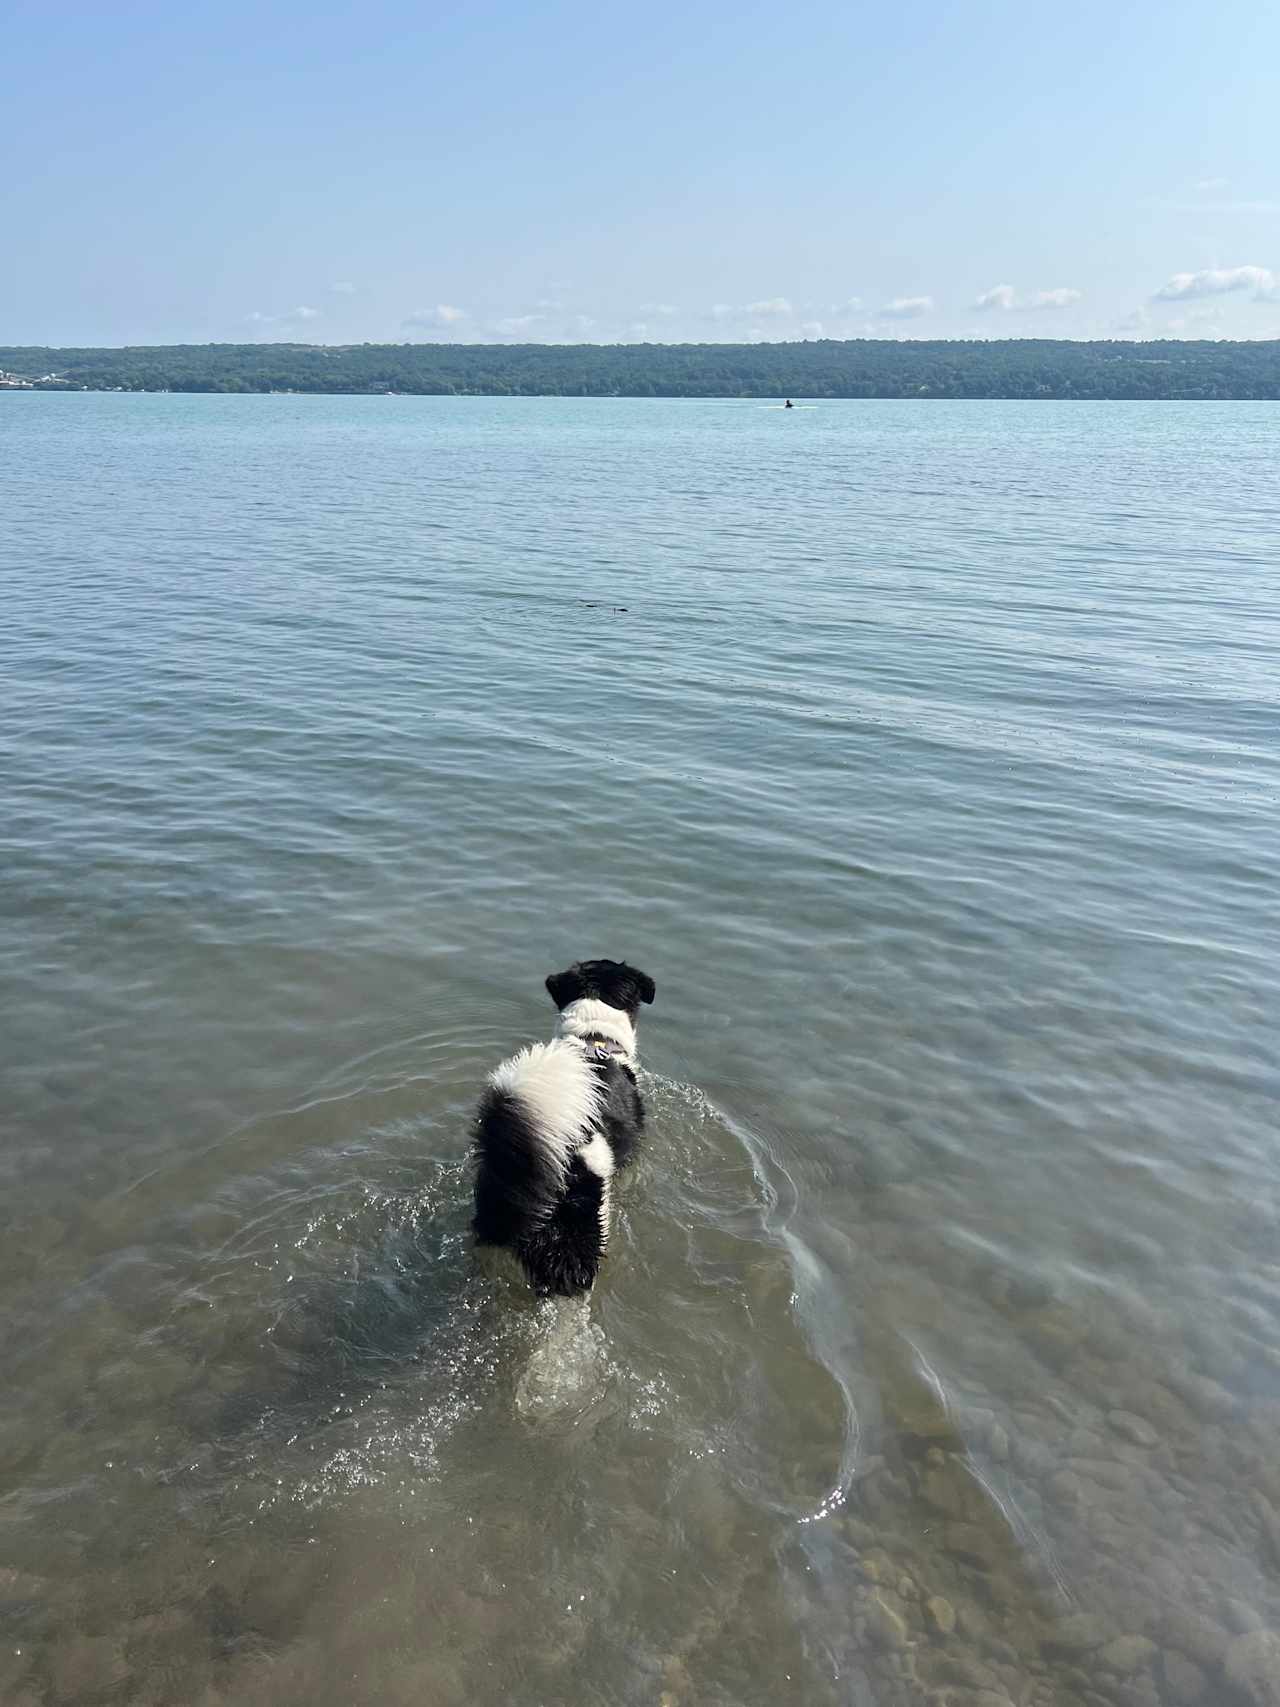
(927, 756)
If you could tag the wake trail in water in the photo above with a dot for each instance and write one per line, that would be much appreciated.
(568, 1367)
(827, 1332)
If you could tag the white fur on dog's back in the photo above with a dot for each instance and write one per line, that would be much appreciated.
(599, 1158)
(557, 1090)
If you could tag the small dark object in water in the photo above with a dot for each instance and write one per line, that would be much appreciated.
(788, 404)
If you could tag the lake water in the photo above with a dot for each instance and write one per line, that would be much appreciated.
(927, 757)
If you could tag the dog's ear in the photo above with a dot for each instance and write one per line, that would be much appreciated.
(646, 987)
(564, 987)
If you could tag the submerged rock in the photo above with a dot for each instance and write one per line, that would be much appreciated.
(953, 1491)
(941, 1614)
(964, 1669)
(1133, 1428)
(1207, 1398)
(886, 1627)
(973, 1545)
(861, 1534)
(1126, 1654)
(1077, 1634)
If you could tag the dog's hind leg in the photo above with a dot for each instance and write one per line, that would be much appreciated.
(562, 1255)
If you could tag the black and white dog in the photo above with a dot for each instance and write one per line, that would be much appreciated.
(556, 1123)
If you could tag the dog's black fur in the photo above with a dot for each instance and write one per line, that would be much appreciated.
(542, 1181)
(610, 981)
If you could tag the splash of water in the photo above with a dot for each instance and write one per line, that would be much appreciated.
(568, 1368)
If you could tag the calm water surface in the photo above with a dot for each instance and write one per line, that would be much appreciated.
(927, 756)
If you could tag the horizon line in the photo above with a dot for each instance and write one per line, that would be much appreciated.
(623, 344)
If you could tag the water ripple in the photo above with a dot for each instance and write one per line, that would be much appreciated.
(928, 758)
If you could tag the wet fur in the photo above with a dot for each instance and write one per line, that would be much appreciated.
(556, 1123)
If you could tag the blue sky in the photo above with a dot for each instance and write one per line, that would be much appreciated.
(336, 172)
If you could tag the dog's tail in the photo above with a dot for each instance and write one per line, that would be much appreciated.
(538, 1109)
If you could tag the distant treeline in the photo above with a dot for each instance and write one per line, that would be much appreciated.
(1024, 367)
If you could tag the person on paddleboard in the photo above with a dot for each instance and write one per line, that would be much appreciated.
(788, 404)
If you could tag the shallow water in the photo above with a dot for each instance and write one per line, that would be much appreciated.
(927, 756)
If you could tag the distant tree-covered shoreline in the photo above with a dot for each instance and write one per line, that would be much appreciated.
(863, 367)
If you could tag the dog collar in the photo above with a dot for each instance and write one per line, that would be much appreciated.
(603, 1048)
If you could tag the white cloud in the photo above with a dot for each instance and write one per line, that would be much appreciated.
(443, 314)
(1217, 281)
(344, 287)
(851, 305)
(515, 325)
(812, 328)
(1062, 297)
(637, 329)
(1005, 299)
(258, 318)
(1207, 186)
(907, 307)
(722, 311)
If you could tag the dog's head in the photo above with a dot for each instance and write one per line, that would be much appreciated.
(610, 981)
